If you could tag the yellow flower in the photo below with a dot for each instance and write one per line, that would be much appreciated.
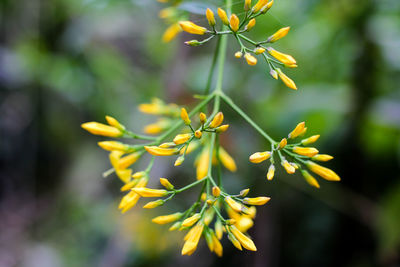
(166, 184)
(149, 192)
(193, 240)
(202, 163)
(217, 120)
(322, 157)
(286, 80)
(250, 25)
(247, 5)
(250, 59)
(260, 4)
(324, 172)
(113, 145)
(157, 127)
(310, 140)
(259, 157)
(297, 131)
(218, 229)
(222, 128)
(246, 242)
(129, 185)
(185, 116)
(234, 241)
(113, 122)
(267, 7)
(138, 175)
(259, 50)
(182, 138)
(209, 216)
(198, 134)
(127, 161)
(130, 199)
(217, 246)
(234, 22)
(222, 15)
(271, 172)
(256, 200)
(216, 191)
(159, 151)
(154, 204)
(284, 58)
(210, 17)
(179, 161)
(278, 35)
(288, 167)
(101, 129)
(282, 143)
(202, 117)
(236, 206)
(191, 220)
(192, 28)
(310, 179)
(227, 160)
(238, 54)
(305, 151)
(167, 218)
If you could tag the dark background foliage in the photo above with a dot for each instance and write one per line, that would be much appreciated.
(64, 62)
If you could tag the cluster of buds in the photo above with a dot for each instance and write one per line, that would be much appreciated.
(205, 216)
(301, 155)
(236, 27)
(188, 142)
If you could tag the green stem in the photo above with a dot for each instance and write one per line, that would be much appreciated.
(138, 136)
(229, 101)
(190, 185)
(212, 68)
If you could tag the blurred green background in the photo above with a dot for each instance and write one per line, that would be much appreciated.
(64, 62)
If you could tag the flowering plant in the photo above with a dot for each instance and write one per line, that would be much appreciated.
(216, 211)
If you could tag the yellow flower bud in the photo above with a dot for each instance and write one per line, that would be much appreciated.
(127, 161)
(234, 23)
(217, 246)
(324, 172)
(113, 145)
(166, 184)
(171, 32)
(175, 226)
(297, 131)
(210, 17)
(216, 191)
(222, 128)
(267, 7)
(305, 151)
(179, 161)
(203, 197)
(217, 120)
(238, 54)
(259, 50)
(260, 4)
(192, 28)
(286, 80)
(284, 58)
(259, 157)
(250, 59)
(113, 122)
(271, 172)
(310, 140)
(202, 163)
(247, 5)
(159, 151)
(278, 35)
(149, 192)
(167, 218)
(185, 116)
(130, 199)
(250, 25)
(167, 145)
(203, 118)
(322, 157)
(182, 138)
(310, 179)
(282, 143)
(256, 200)
(227, 160)
(236, 206)
(138, 175)
(274, 74)
(129, 185)
(218, 229)
(244, 192)
(101, 129)
(154, 204)
(193, 239)
(124, 175)
(222, 15)
(198, 134)
(245, 241)
(288, 167)
(234, 241)
(191, 220)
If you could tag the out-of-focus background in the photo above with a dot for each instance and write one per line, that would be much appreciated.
(64, 62)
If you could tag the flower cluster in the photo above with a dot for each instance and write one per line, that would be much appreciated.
(300, 154)
(238, 28)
